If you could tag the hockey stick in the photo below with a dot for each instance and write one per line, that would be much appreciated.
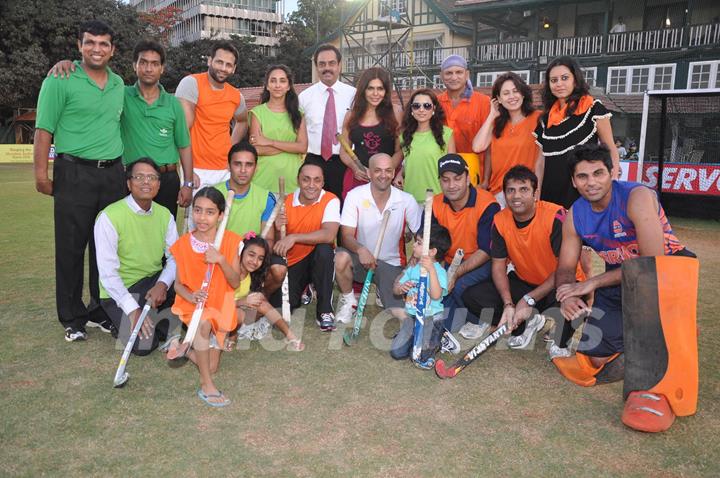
(422, 293)
(351, 335)
(350, 152)
(457, 259)
(121, 376)
(285, 288)
(270, 221)
(443, 371)
(197, 314)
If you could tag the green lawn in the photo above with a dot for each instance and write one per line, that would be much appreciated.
(327, 411)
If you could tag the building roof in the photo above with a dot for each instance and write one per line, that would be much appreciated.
(488, 5)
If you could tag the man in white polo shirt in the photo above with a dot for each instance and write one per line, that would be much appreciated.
(360, 227)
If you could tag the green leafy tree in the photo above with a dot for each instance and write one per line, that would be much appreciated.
(38, 33)
(313, 21)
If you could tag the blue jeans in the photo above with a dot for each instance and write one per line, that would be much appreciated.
(454, 301)
(402, 343)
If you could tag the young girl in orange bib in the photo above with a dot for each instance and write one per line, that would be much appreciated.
(193, 252)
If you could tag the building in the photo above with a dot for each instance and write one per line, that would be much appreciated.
(221, 18)
(408, 37)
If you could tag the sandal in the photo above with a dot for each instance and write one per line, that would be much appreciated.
(295, 345)
(206, 398)
(166, 345)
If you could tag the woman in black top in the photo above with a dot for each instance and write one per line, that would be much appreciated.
(370, 127)
(572, 117)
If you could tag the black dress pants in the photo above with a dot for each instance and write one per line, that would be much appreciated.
(80, 192)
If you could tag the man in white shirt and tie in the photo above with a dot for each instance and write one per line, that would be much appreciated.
(324, 105)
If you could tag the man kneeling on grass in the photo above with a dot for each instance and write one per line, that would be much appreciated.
(528, 233)
(642, 325)
(132, 237)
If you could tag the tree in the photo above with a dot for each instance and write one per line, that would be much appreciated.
(313, 21)
(192, 57)
(159, 23)
(38, 33)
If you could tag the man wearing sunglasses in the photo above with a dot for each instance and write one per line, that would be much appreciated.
(132, 237)
(465, 111)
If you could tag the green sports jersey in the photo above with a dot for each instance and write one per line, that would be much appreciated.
(277, 126)
(84, 119)
(154, 131)
(421, 169)
(141, 241)
(246, 213)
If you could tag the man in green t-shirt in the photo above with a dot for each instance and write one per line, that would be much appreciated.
(133, 236)
(252, 208)
(153, 124)
(82, 116)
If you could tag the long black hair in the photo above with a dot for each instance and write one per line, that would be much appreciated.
(581, 87)
(257, 278)
(527, 104)
(410, 124)
(292, 104)
(384, 110)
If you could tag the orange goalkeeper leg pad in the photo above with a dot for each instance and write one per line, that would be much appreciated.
(660, 337)
(580, 370)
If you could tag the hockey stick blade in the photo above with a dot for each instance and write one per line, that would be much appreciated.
(442, 371)
(121, 376)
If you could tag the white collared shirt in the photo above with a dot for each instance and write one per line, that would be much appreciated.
(108, 262)
(313, 101)
(361, 212)
(332, 208)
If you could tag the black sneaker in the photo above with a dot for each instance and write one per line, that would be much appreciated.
(105, 325)
(73, 334)
(326, 322)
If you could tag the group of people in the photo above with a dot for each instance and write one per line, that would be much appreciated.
(520, 195)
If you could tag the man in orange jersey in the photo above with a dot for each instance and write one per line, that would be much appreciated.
(527, 233)
(312, 218)
(210, 104)
(467, 212)
(642, 326)
(465, 111)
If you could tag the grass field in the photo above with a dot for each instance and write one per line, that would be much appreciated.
(327, 411)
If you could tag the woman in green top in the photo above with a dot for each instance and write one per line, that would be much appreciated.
(424, 140)
(277, 130)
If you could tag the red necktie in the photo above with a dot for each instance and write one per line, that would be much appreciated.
(329, 129)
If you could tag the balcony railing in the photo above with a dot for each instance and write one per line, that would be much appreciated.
(571, 46)
(645, 40)
(518, 50)
(701, 35)
(422, 57)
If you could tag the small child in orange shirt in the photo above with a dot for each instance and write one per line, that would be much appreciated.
(193, 252)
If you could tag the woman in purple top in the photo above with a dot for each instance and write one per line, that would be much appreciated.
(371, 126)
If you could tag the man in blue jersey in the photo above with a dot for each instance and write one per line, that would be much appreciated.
(632, 329)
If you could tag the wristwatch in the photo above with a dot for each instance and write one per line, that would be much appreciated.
(188, 184)
(530, 301)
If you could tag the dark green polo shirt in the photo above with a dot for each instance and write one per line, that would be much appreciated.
(84, 119)
(155, 131)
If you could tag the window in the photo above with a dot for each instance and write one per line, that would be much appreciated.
(704, 74)
(590, 75)
(638, 79)
(488, 78)
(639, 82)
(438, 83)
(399, 6)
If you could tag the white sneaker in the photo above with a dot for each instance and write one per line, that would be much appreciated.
(262, 328)
(525, 339)
(449, 344)
(472, 331)
(378, 302)
(345, 309)
(556, 351)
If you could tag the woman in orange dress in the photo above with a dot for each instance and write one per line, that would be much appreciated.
(193, 252)
(507, 131)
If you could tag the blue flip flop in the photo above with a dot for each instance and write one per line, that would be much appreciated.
(206, 398)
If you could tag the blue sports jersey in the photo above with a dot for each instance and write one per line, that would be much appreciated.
(610, 232)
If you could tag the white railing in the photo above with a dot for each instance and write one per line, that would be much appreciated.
(571, 46)
(518, 50)
(645, 40)
(701, 35)
(430, 57)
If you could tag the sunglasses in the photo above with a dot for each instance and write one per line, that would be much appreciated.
(417, 106)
